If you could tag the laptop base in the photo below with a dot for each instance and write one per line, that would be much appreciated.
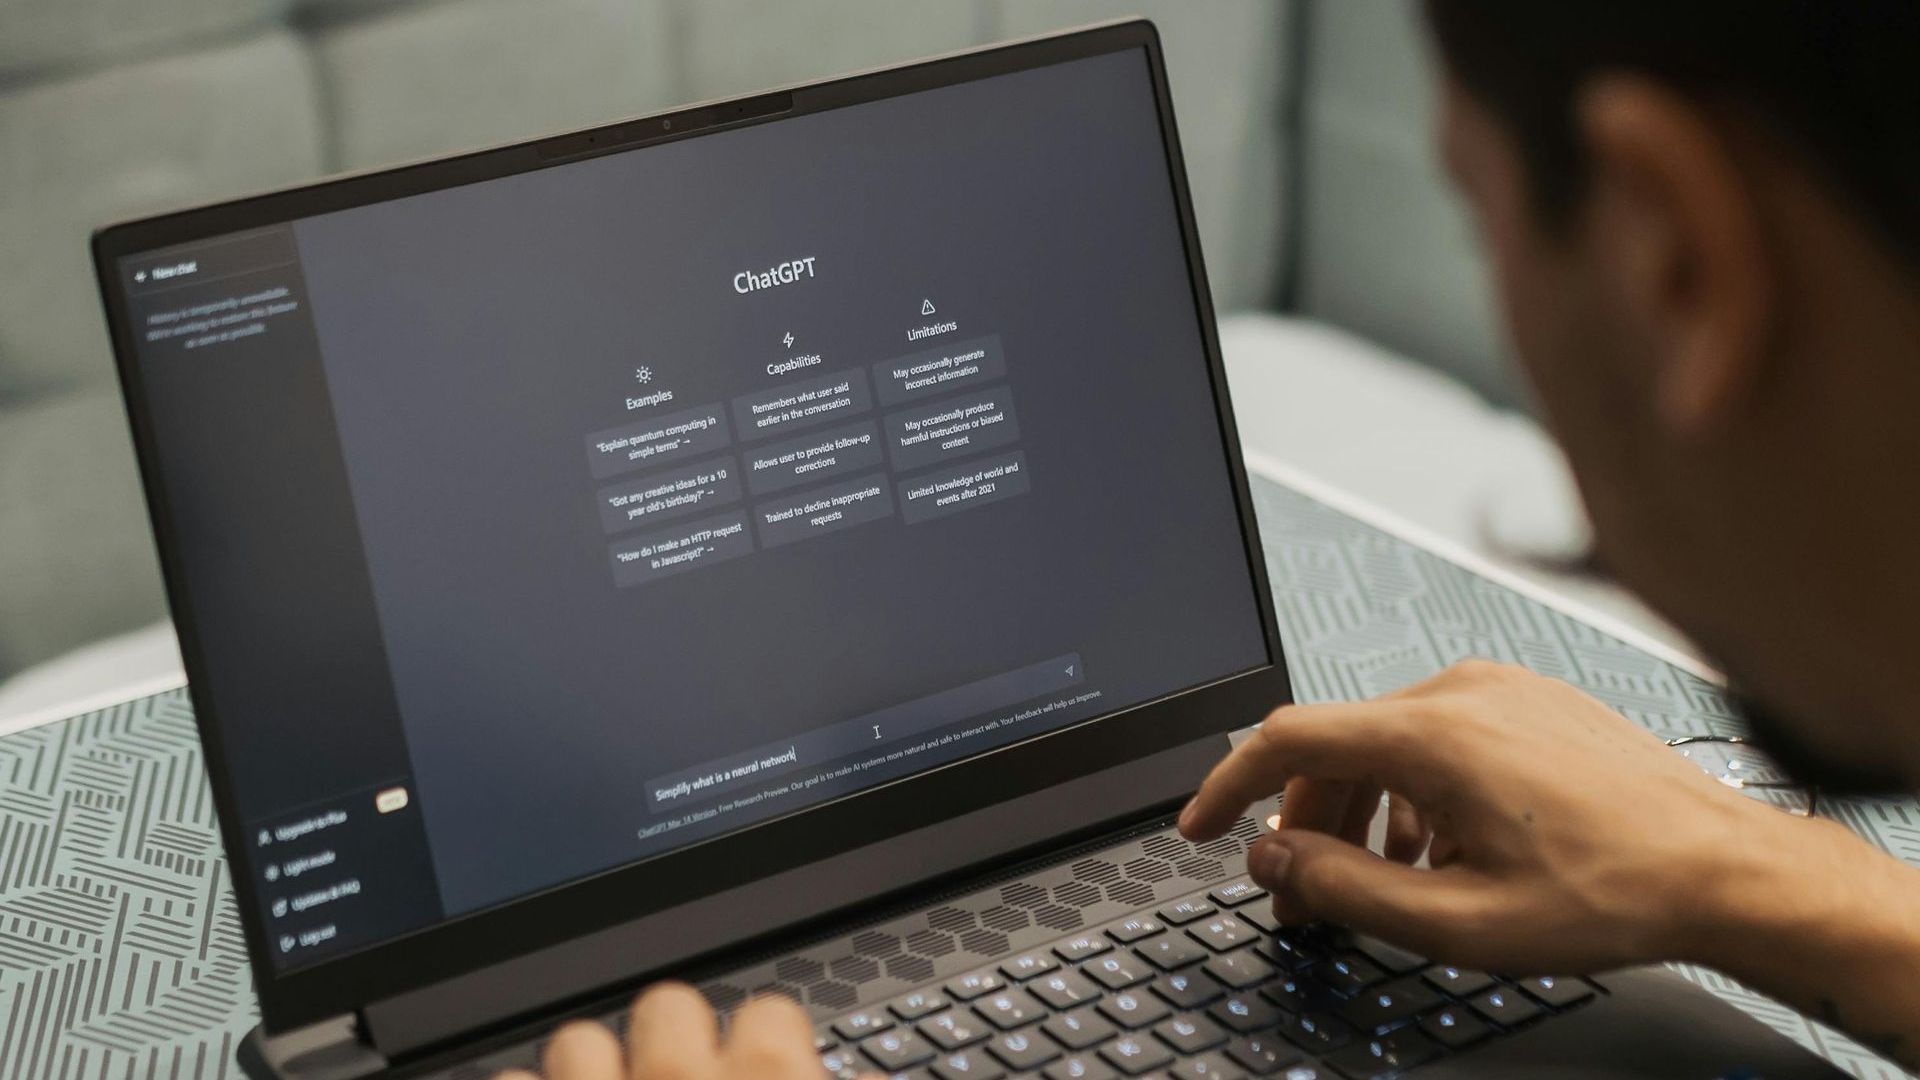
(1145, 944)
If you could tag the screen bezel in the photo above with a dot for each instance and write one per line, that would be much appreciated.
(472, 941)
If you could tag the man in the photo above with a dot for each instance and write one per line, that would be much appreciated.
(1704, 221)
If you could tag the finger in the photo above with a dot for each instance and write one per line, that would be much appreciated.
(1357, 826)
(1337, 808)
(1372, 742)
(672, 1034)
(1442, 851)
(1428, 911)
(771, 1037)
(1407, 833)
(515, 1074)
(1320, 805)
(583, 1050)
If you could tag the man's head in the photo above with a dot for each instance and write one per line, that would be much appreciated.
(1704, 225)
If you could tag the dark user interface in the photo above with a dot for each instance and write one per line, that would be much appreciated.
(539, 525)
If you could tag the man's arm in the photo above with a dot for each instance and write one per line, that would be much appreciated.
(1828, 924)
(1567, 840)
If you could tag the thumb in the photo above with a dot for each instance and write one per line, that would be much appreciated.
(1327, 878)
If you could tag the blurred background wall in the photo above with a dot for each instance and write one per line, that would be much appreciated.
(1304, 124)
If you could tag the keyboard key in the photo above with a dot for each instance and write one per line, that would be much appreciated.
(1348, 973)
(1235, 893)
(862, 1024)
(1316, 1032)
(973, 984)
(1009, 1009)
(1387, 1055)
(1133, 928)
(1134, 1009)
(824, 1041)
(1246, 1012)
(1292, 993)
(1023, 1051)
(1182, 912)
(1188, 990)
(1206, 1067)
(918, 1004)
(1081, 947)
(1081, 1028)
(1260, 916)
(1027, 965)
(1460, 982)
(1262, 1055)
(1170, 951)
(1559, 991)
(1391, 958)
(1240, 970)
(1080, 1067)
(1063, 989)
(1505, 1006)
(1455, 1026)
(967, 1065)
(1223, 932)
(1116, 971)
(1388, 1004)
(1325, 934)
(1135, 1054)
(897, 1050)
(842, 1063)
(1189, 1033)
(1290, 951)
(953, 1029)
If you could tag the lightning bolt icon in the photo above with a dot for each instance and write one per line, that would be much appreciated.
(788, 340)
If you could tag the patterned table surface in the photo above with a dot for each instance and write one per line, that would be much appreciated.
(120, 949)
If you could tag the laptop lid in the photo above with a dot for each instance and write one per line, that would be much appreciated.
(565, 532)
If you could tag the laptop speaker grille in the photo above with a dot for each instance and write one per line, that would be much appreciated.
(983, 927)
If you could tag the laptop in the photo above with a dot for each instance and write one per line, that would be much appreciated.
(795, 544)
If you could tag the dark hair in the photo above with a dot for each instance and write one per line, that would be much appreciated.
(1837, 81)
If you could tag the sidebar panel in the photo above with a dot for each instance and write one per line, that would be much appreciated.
(336, 852)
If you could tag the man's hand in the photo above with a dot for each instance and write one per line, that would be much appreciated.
(1566, 840)
(1563, 838)
(674, 1036)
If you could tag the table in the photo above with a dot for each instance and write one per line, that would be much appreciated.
(120, 945)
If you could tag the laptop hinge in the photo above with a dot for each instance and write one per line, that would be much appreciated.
(329, 1050)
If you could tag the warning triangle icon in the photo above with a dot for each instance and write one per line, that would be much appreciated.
(926, 307)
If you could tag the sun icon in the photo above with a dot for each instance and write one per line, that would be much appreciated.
(643, 374)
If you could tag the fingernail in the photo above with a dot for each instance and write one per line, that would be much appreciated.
(1186, 814)
(1267, 863)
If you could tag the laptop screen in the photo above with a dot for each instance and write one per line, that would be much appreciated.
(539, 525)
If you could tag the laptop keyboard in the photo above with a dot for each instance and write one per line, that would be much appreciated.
(1206, 987)
(1143, 957)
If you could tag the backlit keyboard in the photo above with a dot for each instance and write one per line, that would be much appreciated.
(1207, 987)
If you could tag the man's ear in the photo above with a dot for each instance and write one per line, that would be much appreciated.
(1679, 227)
